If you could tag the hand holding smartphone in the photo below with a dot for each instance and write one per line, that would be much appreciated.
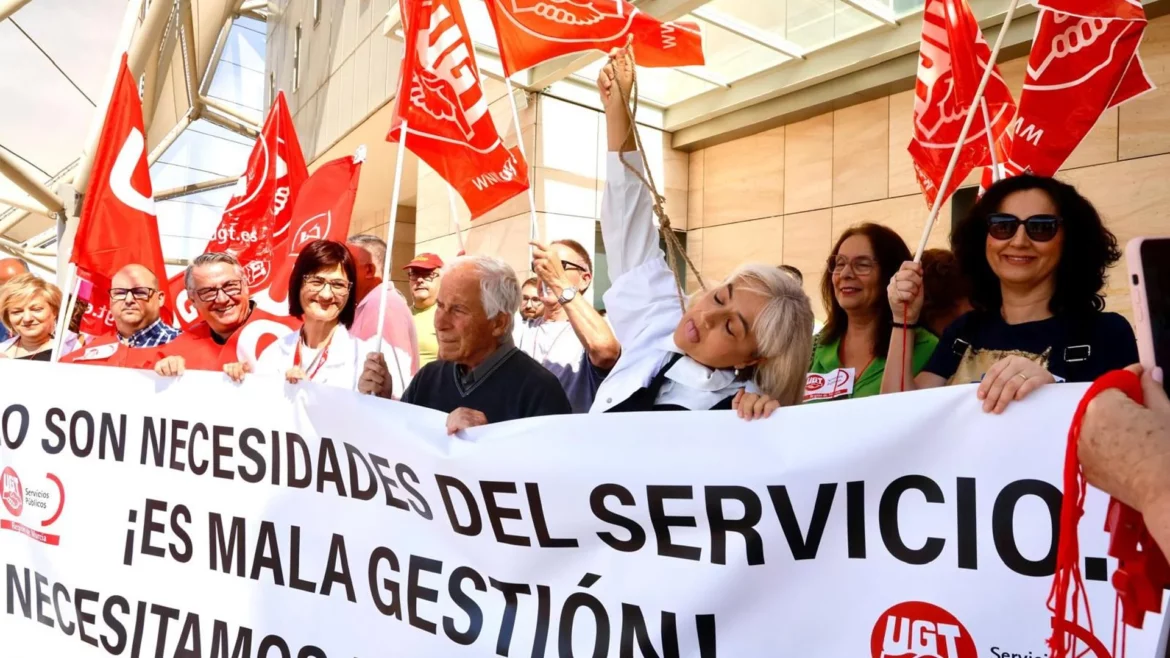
(1148, 262)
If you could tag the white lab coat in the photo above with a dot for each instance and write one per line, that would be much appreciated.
(343, 367)
(642, 303)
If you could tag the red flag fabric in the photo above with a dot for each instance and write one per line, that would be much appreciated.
(951, 61)
(109, 351)
(533, 31)
(443, 104)
(1084, 60)
(200, 351)
(118, 226)
(257, 216)
(185, 314)
(323, 212)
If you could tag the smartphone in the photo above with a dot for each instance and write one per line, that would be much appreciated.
(1148, 261)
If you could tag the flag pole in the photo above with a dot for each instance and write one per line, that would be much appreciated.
(990, 141)
(455, 219)
(386, 283)
(946, 181)
(63, 318)
(532, 230)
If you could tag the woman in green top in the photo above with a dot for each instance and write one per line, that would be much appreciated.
(849, 357)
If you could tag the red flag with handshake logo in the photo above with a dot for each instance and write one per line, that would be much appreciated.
(533, 31)
(442, 102)
(118, 226)
(1084, 60)
(951, 61)
(257, 217)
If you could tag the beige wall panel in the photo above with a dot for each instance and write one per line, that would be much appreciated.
(808, 238)
(567, 136)
(694, 190)
(1144, 121)
(445, 247)
(361, 103)
(861, 147)
(901, 172)
(695, 253)
(344, 115)
(1134, 200)
(1099, 146)
(808, 164)
(744, 179)
(727, 246)
(1012, 72)
(506, 239)
(380, 84)
(565, 193)
(434, 216)
(905, 215)
(675, 184)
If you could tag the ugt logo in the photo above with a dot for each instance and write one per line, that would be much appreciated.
(915, 629)
(11, 492)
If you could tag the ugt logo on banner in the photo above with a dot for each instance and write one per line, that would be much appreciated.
(914, 629)
(42, 504)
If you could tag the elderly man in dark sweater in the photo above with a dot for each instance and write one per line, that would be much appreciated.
(480, 376)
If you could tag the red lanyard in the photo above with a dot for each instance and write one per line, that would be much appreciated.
(314, 367)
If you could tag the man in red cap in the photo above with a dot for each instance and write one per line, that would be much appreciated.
(424, 272)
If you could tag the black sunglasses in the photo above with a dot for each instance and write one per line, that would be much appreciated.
(1040, 228)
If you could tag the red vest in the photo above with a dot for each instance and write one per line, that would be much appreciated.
(200, 351)
(109, 351)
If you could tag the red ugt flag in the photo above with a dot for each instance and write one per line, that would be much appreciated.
(118, 226)
(533, 31)
(440, 98)
(1084, 60)
(257, 216)
(323, 212)
(951, 61)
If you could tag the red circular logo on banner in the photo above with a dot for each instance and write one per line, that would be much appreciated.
(914, 629)
(11, 492)
(814, 382)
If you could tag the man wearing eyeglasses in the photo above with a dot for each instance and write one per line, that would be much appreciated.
(572, 341)
(135, 302)
(424, 273)
(218, 289)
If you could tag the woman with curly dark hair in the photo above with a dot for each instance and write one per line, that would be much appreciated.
(1036, 253)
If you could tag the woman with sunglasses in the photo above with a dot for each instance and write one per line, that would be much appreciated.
(1036, 253)
(321, 294)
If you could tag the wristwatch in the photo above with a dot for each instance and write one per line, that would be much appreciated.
(567, 295)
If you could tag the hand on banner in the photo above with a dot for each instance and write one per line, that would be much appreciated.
(294, 375)
(171, 366)
(753, 406)
(906, 293)
(236, 371)
(464, 418)
(547, 265)
(1125, 447)
(375, 379)
(1011, 378)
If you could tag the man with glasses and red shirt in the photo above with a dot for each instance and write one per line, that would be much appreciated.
(135, 301)
(232, 329)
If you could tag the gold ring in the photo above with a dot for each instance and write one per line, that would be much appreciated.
(1020, 374)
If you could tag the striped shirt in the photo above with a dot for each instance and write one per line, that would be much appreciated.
(155, 335)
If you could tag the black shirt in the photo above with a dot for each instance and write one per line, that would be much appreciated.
(511, 386)
(1076, 349)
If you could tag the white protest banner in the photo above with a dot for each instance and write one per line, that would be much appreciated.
(199, 518)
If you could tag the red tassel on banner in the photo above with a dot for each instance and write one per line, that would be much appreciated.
(1142, 572)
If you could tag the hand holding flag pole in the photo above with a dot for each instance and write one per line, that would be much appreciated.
(971, 113)
(390, 250)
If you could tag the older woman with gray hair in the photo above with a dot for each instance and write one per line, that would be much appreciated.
(755, 327)
(480, 376)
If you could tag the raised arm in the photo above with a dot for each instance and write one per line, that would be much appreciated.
(627, 215)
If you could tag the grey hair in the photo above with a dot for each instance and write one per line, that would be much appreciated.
(499, 289)
(210, 258)
(374, 246)
(783, 331)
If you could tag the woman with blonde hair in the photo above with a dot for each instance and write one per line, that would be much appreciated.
(28, 308)
(753, 328)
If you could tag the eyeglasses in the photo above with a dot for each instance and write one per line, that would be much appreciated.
(570, 265)
(140, 294)
(423, 275)
(531, 300)
(339, 287)
(1040, 228)
(861, 265)
(231, 290)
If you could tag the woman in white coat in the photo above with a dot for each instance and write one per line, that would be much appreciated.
(754, 327)
(321, 293)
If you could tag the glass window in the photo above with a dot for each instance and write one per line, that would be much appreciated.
(297, 58)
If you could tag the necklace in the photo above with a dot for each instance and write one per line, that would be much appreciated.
(318, 361)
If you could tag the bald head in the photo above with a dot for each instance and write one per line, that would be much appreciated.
(10, 267)
(135, 299)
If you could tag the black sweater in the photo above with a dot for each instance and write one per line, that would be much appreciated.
(519, 388)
